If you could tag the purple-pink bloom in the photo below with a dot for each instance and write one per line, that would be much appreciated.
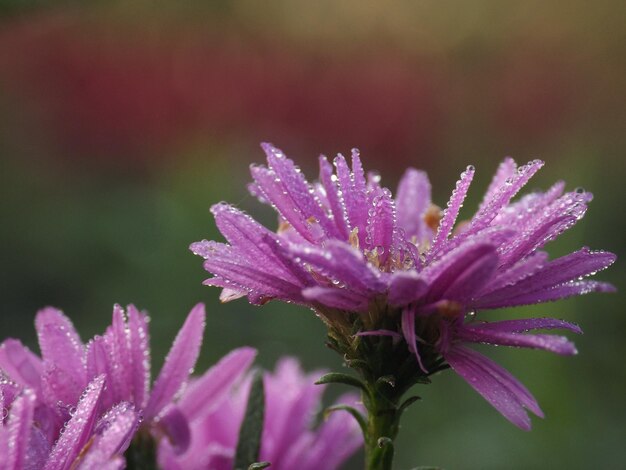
(31, 437)
(288, 439)
(401, 268)
(77, 399)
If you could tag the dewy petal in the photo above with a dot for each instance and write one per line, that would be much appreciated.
(559, 271)
(174, 424)
(505, 171)
(395, 335)
(405, 287)
(408, 330)
(536, 230)
(20, 363)
(381, 224)
(117, 341)
(299, 189)
(334, 198)
(100, 362)
(549, 294)
(242, 275)
(496, 385)
(178, 363)
(459, 279)
(354, 196)
(207, 392)
(527, 324)
(112, 440)
(452, 211)
(556, 344)
(290, 398)
(59, 385)
(336, 439)
(412, 200)
(342, 263)
(335, 297)
(18, 429)
(502, 196)
(473, 278)
(60, 343)
(251, 239)
(272, 189)
(139, 354)
(78, 429)
(520, 270)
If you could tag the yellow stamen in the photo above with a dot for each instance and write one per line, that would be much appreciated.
(449, 308)
(432, 217)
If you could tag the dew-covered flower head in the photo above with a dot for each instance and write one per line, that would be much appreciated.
(381, 268)
(82, 405)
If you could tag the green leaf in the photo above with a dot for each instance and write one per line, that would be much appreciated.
(339, 378)
(408, 402)
(259, 465)
(353, 411)
(387, 379)
(386, 456)
(249, 445)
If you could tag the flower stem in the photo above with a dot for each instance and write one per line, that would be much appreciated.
(382, 428)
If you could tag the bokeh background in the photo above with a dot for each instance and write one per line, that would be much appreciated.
(122, 122)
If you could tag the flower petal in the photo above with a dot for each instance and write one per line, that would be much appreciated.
(207, 392)
(527, 324)
(561, 270)
(60, 344)
(549, 294)
(20, 363)
(506, 170)
(543, 227)
(412, 200)
(334, 197)
(353, 188)
(139, 354)
(464, 272)
(251, 239)
(298, 188)
(18, 429)
(229, 265)
(178, 363)
(451, 213)
(496, 385)
(556, 344)
(78, 430)
(272, 189)
(174, 424)
(113, 438)
(336, 439)
(405, 287)
(337, 297)
(408, 331)
(501, 196)
(342, 263)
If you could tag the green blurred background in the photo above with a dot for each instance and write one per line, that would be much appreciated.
(122, 122)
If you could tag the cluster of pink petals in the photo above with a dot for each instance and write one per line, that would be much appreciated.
(288, 441)
(79, 405)
(346, 243)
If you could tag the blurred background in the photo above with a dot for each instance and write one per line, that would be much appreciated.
(122, 122)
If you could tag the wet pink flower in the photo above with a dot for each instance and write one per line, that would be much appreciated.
(391, 269)
(288, 440)
(78, 395)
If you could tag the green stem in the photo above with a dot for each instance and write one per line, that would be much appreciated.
(382, 428)
(141, 454)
